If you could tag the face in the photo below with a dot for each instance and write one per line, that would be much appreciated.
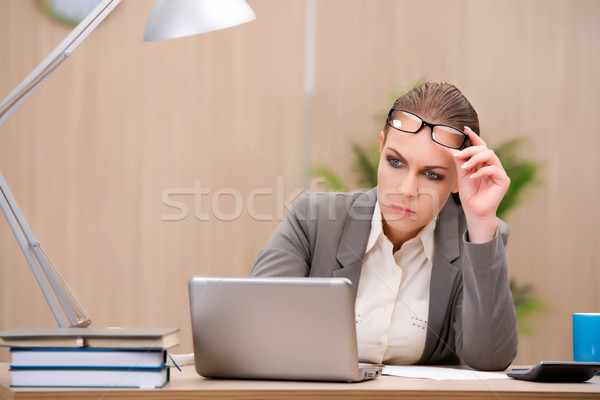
(415, 178)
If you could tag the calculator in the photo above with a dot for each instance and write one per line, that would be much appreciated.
(557, 371)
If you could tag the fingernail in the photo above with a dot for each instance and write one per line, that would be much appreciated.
(464, 165)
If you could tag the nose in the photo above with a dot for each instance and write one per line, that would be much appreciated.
(408, 186)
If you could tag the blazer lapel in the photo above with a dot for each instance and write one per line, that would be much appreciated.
(443, 274)
(355, 234)
(353, 244)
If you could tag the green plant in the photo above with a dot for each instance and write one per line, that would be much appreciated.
(526, 304)
(523, 174)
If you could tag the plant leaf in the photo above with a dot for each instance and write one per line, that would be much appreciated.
(365, 166)
(332, 180)
(522, 173)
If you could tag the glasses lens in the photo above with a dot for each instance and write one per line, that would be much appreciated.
(405, 121)
(449, 137)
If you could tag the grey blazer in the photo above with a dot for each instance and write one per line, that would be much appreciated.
(472, 317)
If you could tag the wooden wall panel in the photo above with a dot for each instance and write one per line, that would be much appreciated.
(92, 153)
(530, 69)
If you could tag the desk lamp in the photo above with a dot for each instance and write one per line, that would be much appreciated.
(168, 19)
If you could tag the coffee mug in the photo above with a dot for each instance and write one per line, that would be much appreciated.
(586, 337)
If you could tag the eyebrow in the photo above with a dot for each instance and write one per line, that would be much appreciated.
(404, 160)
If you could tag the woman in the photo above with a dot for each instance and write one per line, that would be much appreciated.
(424, 250)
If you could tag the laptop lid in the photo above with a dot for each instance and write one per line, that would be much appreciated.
(275, 328)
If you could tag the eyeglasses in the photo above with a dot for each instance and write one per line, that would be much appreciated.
(445, 135)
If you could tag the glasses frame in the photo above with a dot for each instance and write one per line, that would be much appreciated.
(428, 124)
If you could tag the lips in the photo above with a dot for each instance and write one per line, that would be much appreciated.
(406, 212)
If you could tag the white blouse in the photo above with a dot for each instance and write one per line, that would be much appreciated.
(392, 303)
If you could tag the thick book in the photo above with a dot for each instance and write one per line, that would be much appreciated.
(84, 357)
(90, 337)
(90, 377)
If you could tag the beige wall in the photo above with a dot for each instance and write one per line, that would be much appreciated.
(90, 155)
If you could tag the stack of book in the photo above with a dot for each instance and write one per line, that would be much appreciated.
(82, 357)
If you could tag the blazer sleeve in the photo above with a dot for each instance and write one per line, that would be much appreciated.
(486, 323)
(288, 251)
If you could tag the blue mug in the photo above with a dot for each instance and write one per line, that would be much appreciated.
(586, 337)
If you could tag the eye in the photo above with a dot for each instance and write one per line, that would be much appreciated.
(433, 176)
(394, 162)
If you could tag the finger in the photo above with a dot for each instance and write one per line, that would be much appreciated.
(458, 162)
(469, 152)
(487, 157)
(475, 139)
(494, 173)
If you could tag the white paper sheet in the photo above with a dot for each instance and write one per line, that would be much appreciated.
(439, 373)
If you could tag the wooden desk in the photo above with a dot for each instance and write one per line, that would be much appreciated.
(188, 385)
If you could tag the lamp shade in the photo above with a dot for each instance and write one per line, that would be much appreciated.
(171, 19)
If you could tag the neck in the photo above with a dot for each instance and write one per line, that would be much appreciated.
(397, 237)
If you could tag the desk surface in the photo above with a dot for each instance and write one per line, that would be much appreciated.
(187, 384)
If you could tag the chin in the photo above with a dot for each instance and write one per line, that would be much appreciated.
(403, 224)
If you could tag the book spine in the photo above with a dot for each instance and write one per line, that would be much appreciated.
(90, 377)
(84, 358)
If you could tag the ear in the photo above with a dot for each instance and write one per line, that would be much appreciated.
(381, 140)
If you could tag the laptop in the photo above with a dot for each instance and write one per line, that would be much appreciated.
(276, 328)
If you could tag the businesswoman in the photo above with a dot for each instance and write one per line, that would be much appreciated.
(424, 250)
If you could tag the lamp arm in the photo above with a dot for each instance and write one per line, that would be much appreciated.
(55, 58)
(15, 226)
(37, 259)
